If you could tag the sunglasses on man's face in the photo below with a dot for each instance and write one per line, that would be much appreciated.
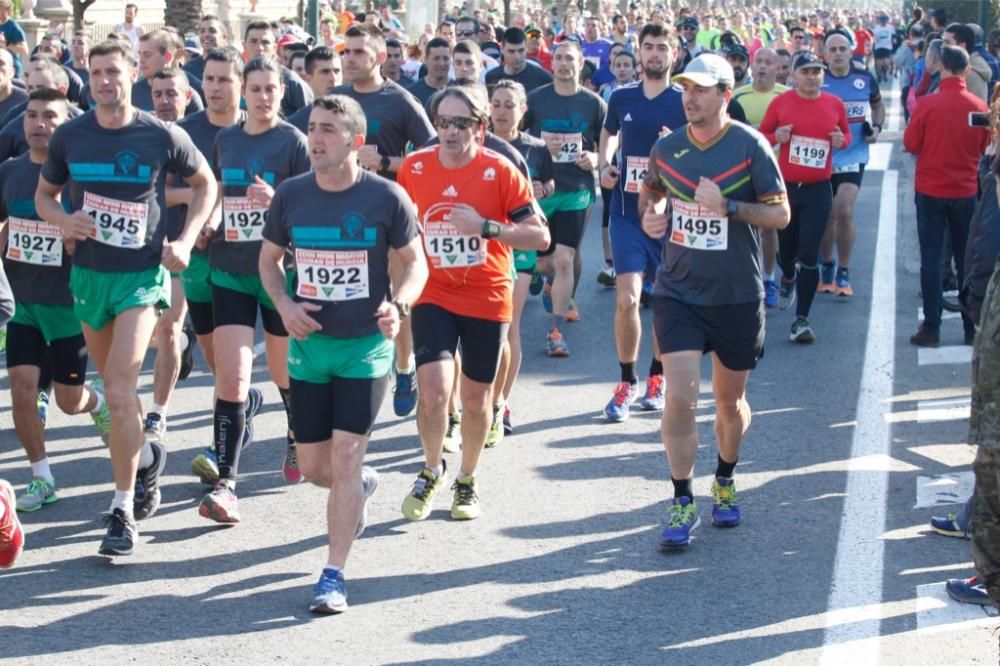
(465, 33)
(459, 122)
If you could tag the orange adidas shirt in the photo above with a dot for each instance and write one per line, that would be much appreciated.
(469, 275)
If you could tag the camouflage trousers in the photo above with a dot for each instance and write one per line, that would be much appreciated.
(986, 520)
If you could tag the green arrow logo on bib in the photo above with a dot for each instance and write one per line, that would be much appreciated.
(328, 291)
(29, 255)
(106, 234)
(248, 232)
(451, 258)
(692, 239)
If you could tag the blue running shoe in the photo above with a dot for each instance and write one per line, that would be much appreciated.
(653, 400)
(404, 399)
(682, 519)
(725, 510)
(949, 526)
(330, 593)
(254, 401)
(826, 273)
(537, 283)
(616, 411)
(770, 294)
(547, 298)
(968, 591)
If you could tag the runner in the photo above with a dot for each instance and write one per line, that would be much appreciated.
(859, 91)
(474, 208)
(115, 159)
(323, 71)
(709, 293)
(44, 330)
(515, 63)
(158, 50)
(395, 119)
(211, 35)
(259, 41)
(636, 116)
(568, 118)
(250, 160)
(883, 34)
(340, 318)
(437, 57)
(807, 122)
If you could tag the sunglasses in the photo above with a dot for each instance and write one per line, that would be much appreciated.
(460, 123)
(465, 33)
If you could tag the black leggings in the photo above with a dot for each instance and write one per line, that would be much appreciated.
(811, 204)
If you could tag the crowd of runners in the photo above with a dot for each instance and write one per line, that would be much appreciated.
(386, 207)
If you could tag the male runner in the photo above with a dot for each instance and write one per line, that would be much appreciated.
(636, 116)
(115, 160)
(883, 34)
(341, 223)
(859, 91)
(515, 63)
(323, 71)
(474, 207)
(38, 266)
(259, 41)
(568, 118)
(156, 51)
(211, 35)
(723, 185)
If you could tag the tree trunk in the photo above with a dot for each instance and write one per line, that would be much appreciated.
(183, 14)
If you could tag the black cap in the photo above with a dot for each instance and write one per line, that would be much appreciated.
(807, 60)
(736, 50)
(689, 21)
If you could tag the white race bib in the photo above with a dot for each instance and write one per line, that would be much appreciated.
(244, 220)
(449, 249)
(694, 227)
(34, 242)
(808, 152)
(331, 276)
(117, 223)
(635, 172)
(570, 146)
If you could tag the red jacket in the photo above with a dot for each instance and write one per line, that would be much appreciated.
(946, 148)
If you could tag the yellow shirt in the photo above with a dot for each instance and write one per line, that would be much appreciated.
(755, 103)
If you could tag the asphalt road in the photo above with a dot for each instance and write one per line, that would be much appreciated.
(854, 439)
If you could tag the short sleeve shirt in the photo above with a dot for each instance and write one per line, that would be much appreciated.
(569, 125)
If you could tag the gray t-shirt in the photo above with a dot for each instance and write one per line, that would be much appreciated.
(530, 77)
(423, 92)
(297, 93)
(12, 139)
(300, 119)
(37, 262)
(536, 155)
(237, 158)
(340, 245)
(142, 96)
(709, 259)
(17, 97)
(395, 119)
(117, 177)
(575, 122)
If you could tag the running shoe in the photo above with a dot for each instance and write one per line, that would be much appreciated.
(725, 510)
(11, 533)
(537, 283)
(145, 504)
(329, 593)
(802, 332)
(465, 505)
(508, 429)
(404, 398)
(369, 483)
(653, 400)
(646, 295)
(495, 434)
(826, 283)
(221, 505)
(617, 409)
(187, 356)
(290, 466)
(682, 519)
(547, 297)
(555, 344)
(572, 314)
(770, 294)
(206, 467)
(948, 526)
(38, 493)
(844, 283)
(155, 428)
(102, 416)
(606, 275)
(121, 535)
(968, 591)
(417, 504)
(453, 435)
(255, 400)
(43, 407)
(786, 294)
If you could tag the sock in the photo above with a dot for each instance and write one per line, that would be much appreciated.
(286, 400)
(628, 372)
(557, 322)
(146, 457)
(438, 471)
(333, 570)
(40, 470)
(99, 405)
(609, 263)
(160, 410)
(185, 342)
(122, 500)
(682, 488)
(405, 369)
(655, 367)
(725, 469)
(230, 420)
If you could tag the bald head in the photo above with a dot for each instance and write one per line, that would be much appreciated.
(765, 67)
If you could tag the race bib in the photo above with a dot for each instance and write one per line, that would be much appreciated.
(808, 152)
(857, 111)
(243, 219)
(449, 249)
(117, 223)
(34, 242)
(635, 172)
(695, 227)
(565, 147)
(593, 60)
(331, 276)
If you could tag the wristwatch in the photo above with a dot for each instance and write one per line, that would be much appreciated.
(402, 307)
(386, 162)
(491, 229)
(731, 207)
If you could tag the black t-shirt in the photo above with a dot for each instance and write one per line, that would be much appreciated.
(142, 96)
(531, 77)
(424, 92)
(537, 156)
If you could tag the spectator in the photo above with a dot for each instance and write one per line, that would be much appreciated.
(978, 78)
(13, 38)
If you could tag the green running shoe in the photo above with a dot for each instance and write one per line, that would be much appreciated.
(102, 416)
(38, 493)
(453, 435)
(465, 506)
(417, 504)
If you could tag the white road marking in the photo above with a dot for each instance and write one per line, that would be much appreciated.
(944, 489)
(937, 612)
(944, 314)
(943, 410)
(859, 563)
(880, 156)
(950, 355)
